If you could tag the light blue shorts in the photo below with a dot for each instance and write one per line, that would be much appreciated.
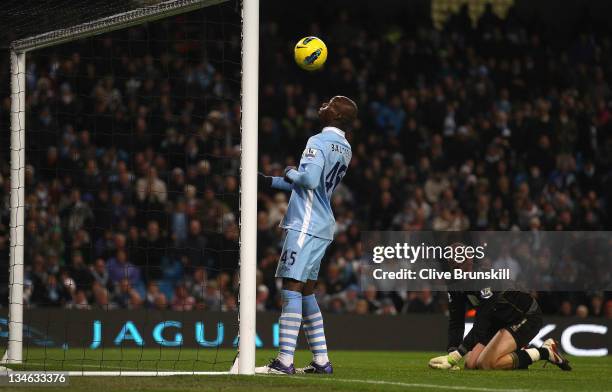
(301, 256)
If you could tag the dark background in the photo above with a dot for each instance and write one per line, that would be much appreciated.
(499, 125)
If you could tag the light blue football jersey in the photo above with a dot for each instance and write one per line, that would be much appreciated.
(309, 210)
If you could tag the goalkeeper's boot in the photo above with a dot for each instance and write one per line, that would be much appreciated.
(275, 367)
(554, 356)
(313, 368)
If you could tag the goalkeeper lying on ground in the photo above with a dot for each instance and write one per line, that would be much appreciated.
(506, 321)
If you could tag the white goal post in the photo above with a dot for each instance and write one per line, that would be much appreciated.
(248, 179)
(14, 352)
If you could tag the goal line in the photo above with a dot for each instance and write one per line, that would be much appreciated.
(122, 373)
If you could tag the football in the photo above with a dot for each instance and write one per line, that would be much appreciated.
(310, 53)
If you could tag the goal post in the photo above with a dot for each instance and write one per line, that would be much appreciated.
(245, 362)
(248, 196)
(14, 352)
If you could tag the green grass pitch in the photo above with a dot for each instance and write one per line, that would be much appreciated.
(354, 371)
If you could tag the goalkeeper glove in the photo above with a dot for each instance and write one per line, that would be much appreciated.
(263, 181)
(287, 170)
(446, 362)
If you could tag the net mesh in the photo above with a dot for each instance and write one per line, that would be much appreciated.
(26, 18)
(131, 193)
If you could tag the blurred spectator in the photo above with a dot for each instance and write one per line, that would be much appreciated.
(80, 301)
(152, 295)
(182, 299)
(126, 296)
(132, 172)
(197, 285)
(362, 307)
(582, 311)
(195, 245)
(261, 299)
(420, 302)
(119, 268)
(597, 306)
(608, 312)
(566, 308)
(52, 293)
(151, 189)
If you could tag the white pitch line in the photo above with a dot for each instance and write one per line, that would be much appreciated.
(73, 367)
(410, 385)
(124, 373)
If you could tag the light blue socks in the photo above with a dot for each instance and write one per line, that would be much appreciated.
(313, 326)
(289, 324)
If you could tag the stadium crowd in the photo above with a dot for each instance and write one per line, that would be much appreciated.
(133, 156)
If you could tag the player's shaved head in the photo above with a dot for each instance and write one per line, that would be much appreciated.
(347, 108)
(340, 111)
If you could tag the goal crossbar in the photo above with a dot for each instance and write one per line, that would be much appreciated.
(111, 23)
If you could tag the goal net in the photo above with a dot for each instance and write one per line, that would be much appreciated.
(129, 172)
